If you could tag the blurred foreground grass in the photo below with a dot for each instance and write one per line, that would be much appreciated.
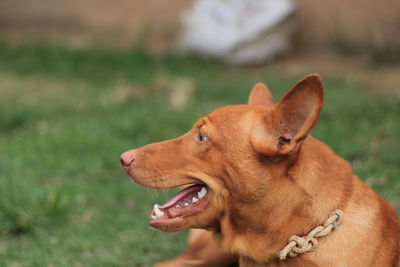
(67, 114)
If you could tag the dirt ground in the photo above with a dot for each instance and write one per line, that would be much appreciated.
(375, 79)
(359, 22)
(122, 23)
(118, 23)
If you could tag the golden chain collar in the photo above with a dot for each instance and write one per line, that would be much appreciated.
(299, 245)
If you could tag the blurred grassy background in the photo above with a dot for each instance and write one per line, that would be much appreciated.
(66, 114)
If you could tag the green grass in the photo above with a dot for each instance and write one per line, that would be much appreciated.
(67, 114)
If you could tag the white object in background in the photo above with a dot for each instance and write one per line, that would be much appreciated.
(239, 31)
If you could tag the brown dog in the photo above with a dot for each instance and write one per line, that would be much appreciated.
(254, 178)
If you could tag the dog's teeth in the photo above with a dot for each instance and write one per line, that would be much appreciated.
(194, 199)
(202, 192)
(153, 217)
(157, 211)
(185, 204)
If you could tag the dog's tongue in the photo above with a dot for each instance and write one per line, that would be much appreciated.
(180, 197)
(180, 203)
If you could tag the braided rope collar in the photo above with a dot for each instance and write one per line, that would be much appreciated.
(298, 245)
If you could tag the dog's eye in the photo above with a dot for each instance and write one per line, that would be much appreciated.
(201, 137)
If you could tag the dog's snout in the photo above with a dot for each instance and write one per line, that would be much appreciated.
(127, 158)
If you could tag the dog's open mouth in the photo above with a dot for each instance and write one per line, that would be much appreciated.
(187, 202)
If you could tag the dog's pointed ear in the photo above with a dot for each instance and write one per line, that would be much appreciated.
(291, 119)
(260, 96)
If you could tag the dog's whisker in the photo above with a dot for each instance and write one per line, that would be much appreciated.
(164, 189)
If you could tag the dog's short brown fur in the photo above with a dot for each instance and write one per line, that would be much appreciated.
(268, 179)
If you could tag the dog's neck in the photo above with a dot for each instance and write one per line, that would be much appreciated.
(312, 197)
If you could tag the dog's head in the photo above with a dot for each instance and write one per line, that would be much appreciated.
(230, 157)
